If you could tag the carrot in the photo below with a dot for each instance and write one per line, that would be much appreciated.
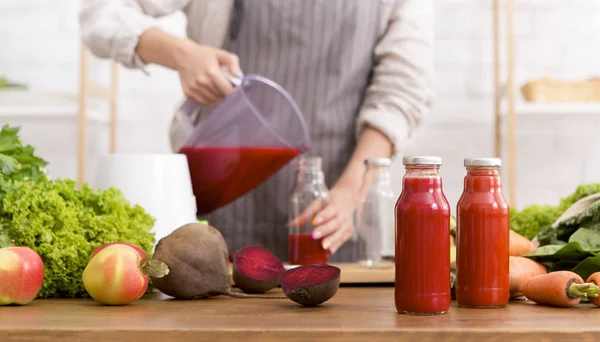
(521, 269)
(561, 289)
(518, 245)
(594, 279)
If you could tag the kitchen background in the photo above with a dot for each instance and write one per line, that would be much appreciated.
(557, 148)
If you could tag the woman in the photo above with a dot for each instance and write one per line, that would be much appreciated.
(359, 70)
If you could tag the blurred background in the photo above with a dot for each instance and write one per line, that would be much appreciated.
(558, 145)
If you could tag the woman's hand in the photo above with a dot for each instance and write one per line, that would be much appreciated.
(199, 69)
(335, 222)
(199, 66)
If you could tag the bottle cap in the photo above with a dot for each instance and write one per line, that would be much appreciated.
(483, 162)
(422, 160)
(378, 161)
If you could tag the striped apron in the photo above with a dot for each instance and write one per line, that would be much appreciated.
(321, 52)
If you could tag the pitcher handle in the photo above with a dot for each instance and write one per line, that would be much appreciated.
(235, 81)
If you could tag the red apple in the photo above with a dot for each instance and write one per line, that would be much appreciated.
(113, 275)
(140, 251)
(21, 275)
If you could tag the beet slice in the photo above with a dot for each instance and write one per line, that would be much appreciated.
(311, 285)
(256, 269)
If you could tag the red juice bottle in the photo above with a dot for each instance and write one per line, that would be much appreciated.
(482, 228)
(309, 196)
(422, 240)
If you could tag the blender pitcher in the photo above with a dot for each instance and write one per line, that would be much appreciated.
(242, 141)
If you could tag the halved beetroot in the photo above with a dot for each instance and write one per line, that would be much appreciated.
(311, 285)
(256, 269)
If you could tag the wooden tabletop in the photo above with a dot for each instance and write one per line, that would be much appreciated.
(355, 313)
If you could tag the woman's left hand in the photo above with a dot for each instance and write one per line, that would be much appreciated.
(335, 222)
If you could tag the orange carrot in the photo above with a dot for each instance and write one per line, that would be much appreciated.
(521, 269)
(561, 289)
(594, 279)
(518, 244)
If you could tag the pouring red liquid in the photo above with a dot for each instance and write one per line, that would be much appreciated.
(222, 174)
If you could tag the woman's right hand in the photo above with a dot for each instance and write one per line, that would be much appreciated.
(199, 69)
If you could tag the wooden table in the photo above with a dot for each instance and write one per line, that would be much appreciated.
(355, 313)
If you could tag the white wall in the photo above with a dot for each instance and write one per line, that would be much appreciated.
(559, 38)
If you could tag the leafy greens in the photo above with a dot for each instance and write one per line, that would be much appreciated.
(60, 222)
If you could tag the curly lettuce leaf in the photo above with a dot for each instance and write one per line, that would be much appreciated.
(532, 219)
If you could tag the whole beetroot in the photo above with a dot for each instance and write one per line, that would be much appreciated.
(197, 257)
(256, 269)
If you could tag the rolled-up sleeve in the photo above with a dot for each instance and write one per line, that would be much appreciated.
(400, 93)
(111, 28)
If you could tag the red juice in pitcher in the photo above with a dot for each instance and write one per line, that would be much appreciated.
(482, 243)
(422, 240)
(222, 174)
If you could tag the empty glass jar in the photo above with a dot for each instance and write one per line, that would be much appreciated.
(375, 216)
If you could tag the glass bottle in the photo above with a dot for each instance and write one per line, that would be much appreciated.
(422, 240)
(482, 257)
(376, 232)
(309, 196)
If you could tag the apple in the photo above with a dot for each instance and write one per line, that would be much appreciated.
(113, 275)
(140, 251)
(21, 275)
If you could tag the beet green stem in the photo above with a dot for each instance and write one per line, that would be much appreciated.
(584, 290)
(231, 293)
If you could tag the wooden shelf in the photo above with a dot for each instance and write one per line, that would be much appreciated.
(558, 108)
(32, 104)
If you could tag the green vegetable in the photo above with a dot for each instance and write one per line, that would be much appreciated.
(17, 161)
(589, 218)
(574, 244)
(551, 253)
(61, 223)
(530, 221)
(4, 83)
(537, 219)
(581, 192)
(579, 255)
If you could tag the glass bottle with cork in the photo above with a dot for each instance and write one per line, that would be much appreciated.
(482, 228)
(309, 196)
(375, 222)
(422, 215)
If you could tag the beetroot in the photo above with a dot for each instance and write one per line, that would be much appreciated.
(311, 285)
(256, 269)
(197, 258)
